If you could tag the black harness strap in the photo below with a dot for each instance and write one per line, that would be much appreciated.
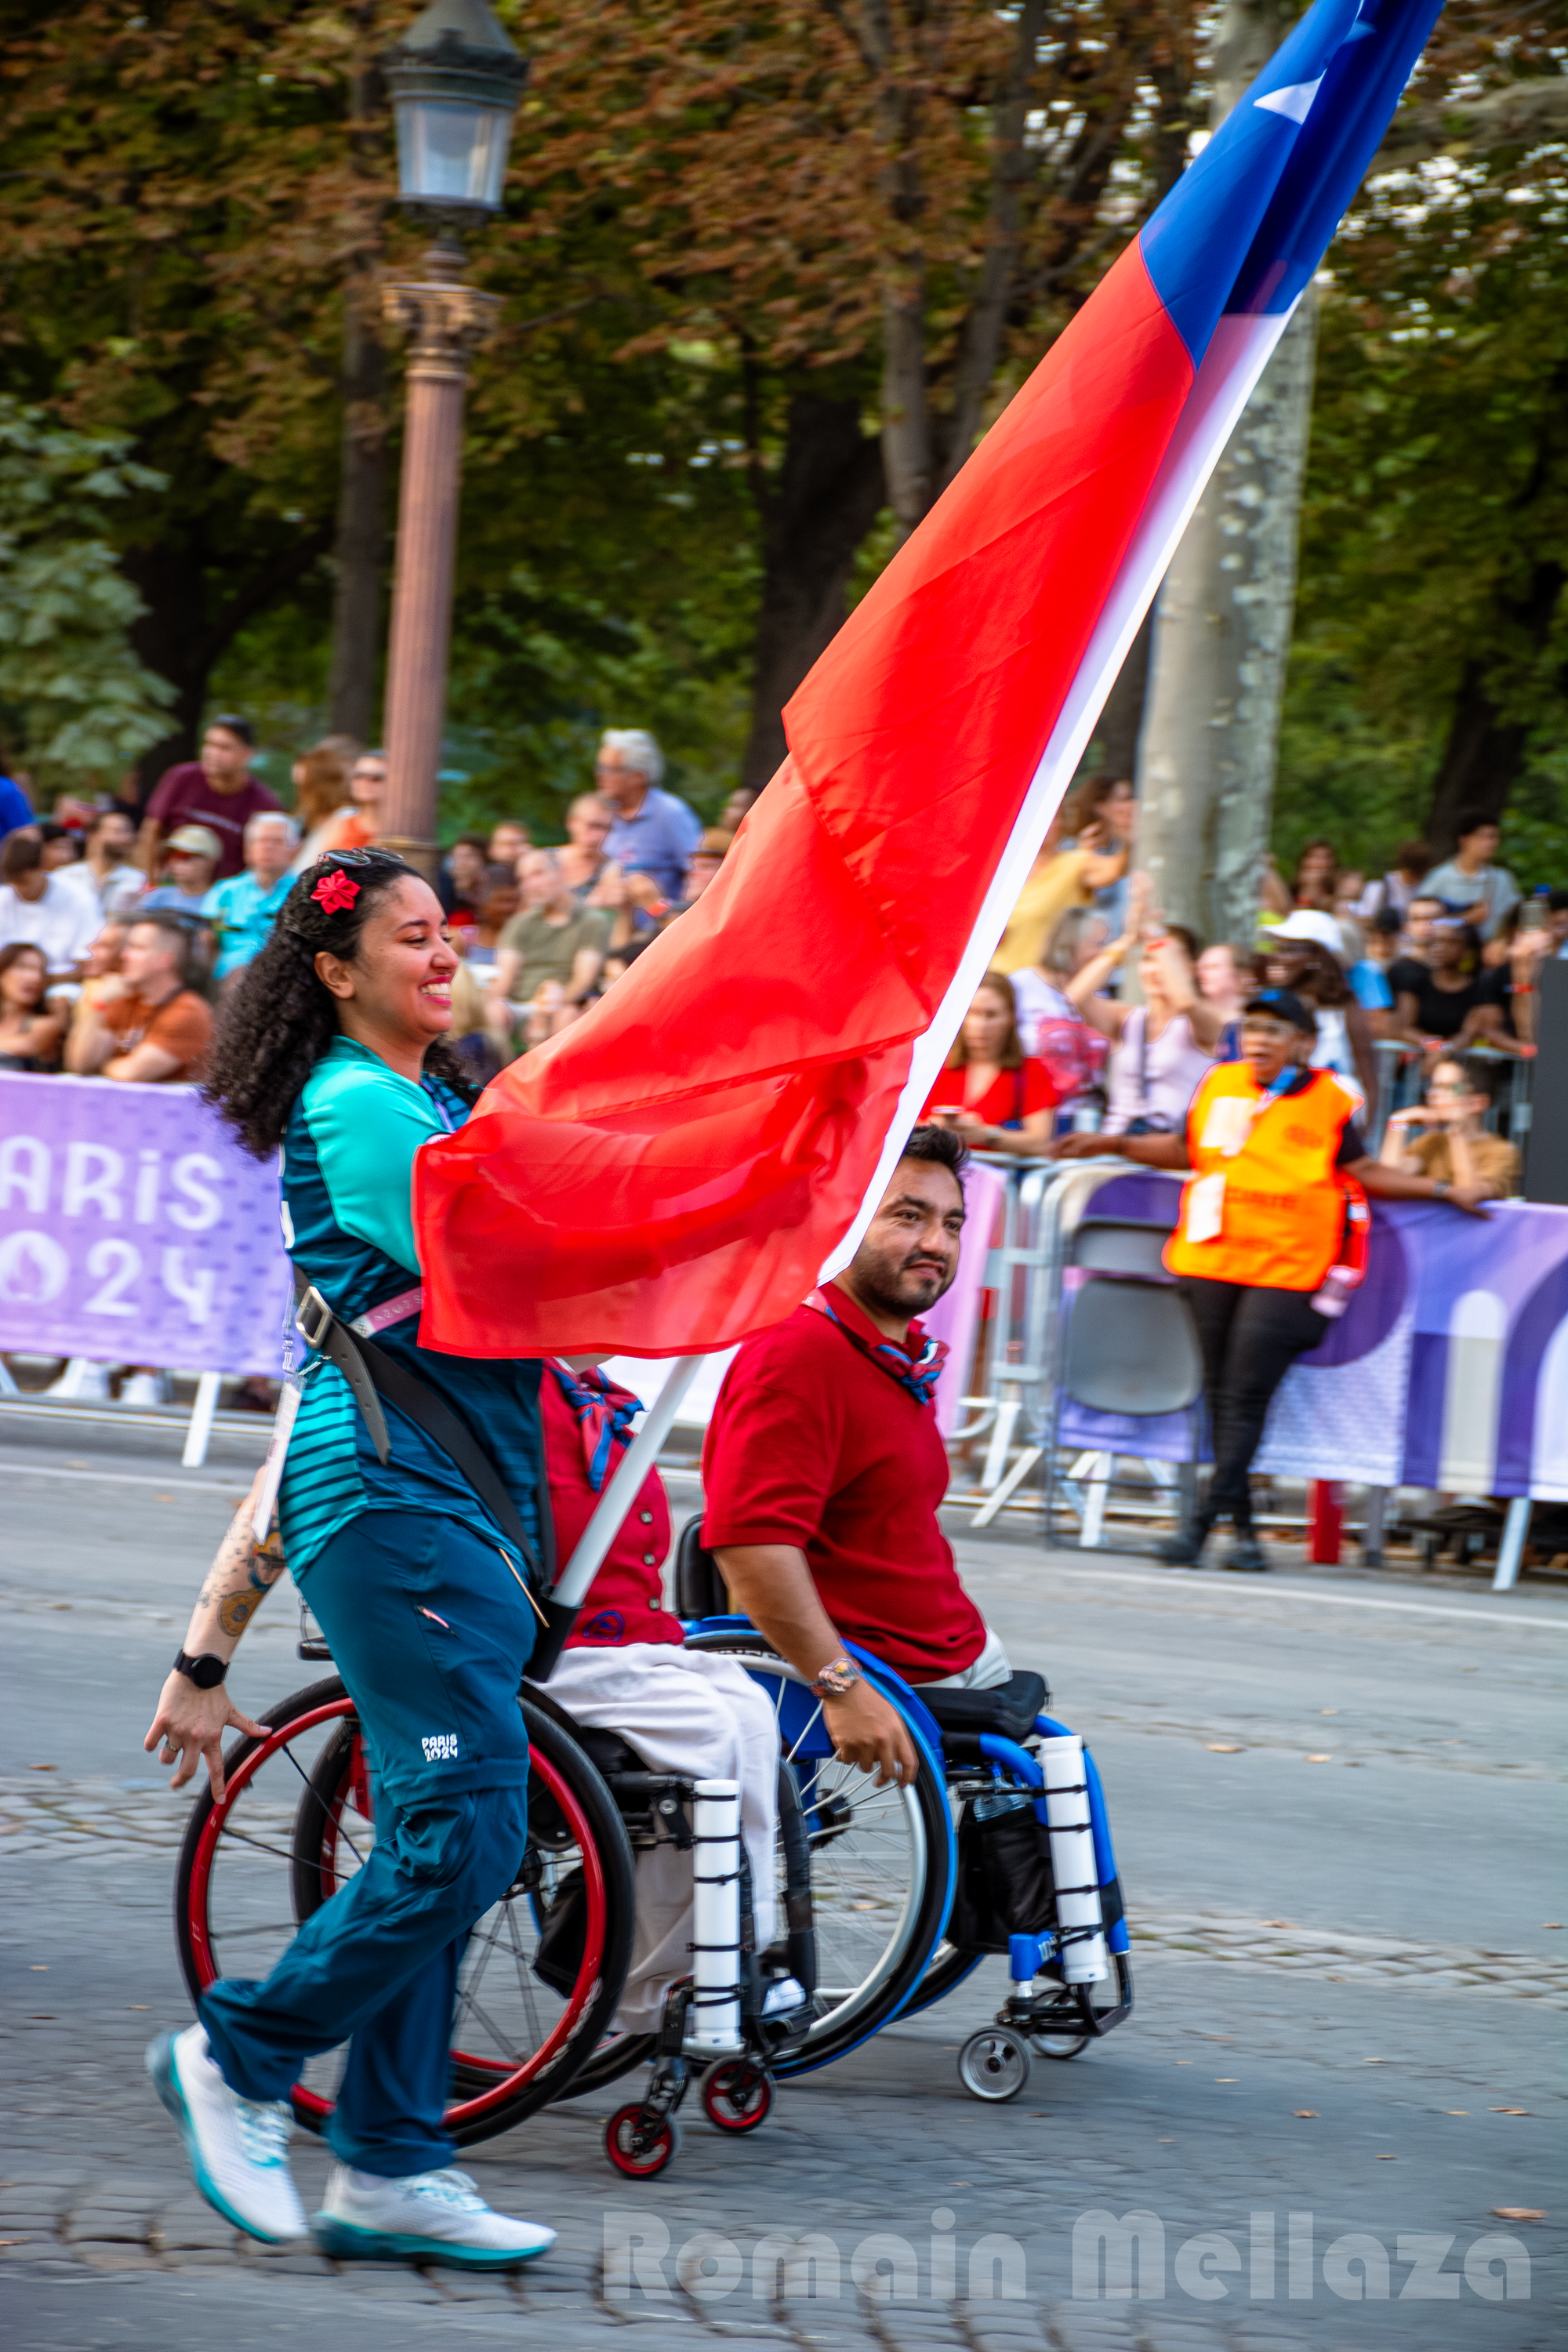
(372, 1374)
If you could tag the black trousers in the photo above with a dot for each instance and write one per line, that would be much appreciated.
(1250, 1338)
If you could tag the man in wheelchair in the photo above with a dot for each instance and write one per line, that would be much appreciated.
(824, 1471)
(634, 1695)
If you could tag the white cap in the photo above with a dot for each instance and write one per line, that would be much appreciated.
(1312, 923)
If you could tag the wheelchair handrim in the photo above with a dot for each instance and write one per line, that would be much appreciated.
(311, 2106)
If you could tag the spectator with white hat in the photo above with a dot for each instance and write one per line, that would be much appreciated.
(194, 853)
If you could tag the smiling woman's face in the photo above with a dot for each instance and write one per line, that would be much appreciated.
(400, 980)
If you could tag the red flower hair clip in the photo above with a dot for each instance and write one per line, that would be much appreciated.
(335, 893)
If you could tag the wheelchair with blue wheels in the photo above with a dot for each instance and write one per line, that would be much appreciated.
(1001, 1844)
(889, 1897)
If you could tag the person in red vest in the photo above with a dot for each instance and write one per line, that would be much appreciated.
(1270, 1235)
(824, 1471)
(626, 1669)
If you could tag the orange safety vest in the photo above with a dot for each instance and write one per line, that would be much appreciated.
(1282, 1219)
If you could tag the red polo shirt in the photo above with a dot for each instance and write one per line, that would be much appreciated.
(813, 1443)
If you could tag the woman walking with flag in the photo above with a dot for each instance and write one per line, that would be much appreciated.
(417, 1569)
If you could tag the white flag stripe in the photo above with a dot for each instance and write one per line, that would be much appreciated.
(1237, 355)
(1294, 101)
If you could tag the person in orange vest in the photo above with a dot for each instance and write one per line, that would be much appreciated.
(1270, 1238)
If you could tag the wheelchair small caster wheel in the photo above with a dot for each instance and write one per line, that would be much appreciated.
(640, 2153)
(994, 2065)
(737, 2095)
(1059, 2045)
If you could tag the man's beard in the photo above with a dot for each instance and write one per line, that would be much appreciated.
(886, 1288)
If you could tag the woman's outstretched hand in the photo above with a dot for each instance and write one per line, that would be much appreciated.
(191, 1724)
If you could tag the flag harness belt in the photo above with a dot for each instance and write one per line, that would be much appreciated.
(372, 1374)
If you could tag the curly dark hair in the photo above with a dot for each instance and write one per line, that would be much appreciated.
(280, 1020)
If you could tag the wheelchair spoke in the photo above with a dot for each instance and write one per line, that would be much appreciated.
(243, 1837)
(816, 1714)
(524, 1978)
(338, 1817)
(466, 2001)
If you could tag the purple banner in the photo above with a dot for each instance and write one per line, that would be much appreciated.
(1451, 1368)
(134, 1230)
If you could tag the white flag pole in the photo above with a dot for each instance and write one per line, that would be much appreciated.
(609, 1516)
(1239, 352)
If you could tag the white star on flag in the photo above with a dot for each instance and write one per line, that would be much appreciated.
(1293, 101)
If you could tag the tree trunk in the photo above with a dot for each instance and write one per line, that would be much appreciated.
(184, 632)
(1012, 169)
(828, 495)
(1485, 752)
(1222, 622)
(360, 548)
(361, 544)
(1116, 736)
(1222, 633)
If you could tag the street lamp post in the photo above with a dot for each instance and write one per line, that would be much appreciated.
(455, 79)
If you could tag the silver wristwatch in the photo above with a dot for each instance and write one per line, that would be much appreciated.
(838, 1680)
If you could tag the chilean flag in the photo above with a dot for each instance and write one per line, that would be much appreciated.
(675, 1172)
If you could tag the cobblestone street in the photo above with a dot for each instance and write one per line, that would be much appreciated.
(1329, 2110)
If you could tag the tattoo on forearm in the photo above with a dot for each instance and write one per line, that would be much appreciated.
(241, 1576)
(236, 1611)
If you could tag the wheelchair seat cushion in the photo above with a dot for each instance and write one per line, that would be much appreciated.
(1008, 1708)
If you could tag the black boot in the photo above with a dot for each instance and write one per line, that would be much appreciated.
(1247, 1554)
(1185, 1548)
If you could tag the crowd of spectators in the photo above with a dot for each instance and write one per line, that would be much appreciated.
(1100, 1017)
(122, 927)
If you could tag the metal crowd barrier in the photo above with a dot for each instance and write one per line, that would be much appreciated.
(1041, 1207)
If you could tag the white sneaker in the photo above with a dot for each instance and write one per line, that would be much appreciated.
(238, 2147)
(81, 1379)
(427, 2216)
(783, 1995)
(143, 1388)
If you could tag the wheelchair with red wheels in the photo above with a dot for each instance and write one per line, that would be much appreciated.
(889, 1897)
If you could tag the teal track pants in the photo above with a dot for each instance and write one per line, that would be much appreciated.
(431, 1634)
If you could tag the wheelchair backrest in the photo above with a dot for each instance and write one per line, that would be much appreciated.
(699, 1589)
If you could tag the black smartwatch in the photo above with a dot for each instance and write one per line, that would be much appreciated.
(207, 1671)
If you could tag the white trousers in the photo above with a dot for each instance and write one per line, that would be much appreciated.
(683, 1711)
(990, 1668)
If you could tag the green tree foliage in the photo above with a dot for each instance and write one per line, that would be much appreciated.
(1432, 629)
(75, 703)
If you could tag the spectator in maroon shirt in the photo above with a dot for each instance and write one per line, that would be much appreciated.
(218, 790)
(824, 1471)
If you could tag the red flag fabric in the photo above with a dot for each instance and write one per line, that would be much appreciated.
(670, 1174)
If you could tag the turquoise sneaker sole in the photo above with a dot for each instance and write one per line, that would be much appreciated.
(165, 2076)
(348, 2244)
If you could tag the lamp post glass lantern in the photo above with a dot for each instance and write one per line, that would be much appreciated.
(452, 153)
(454, 79)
